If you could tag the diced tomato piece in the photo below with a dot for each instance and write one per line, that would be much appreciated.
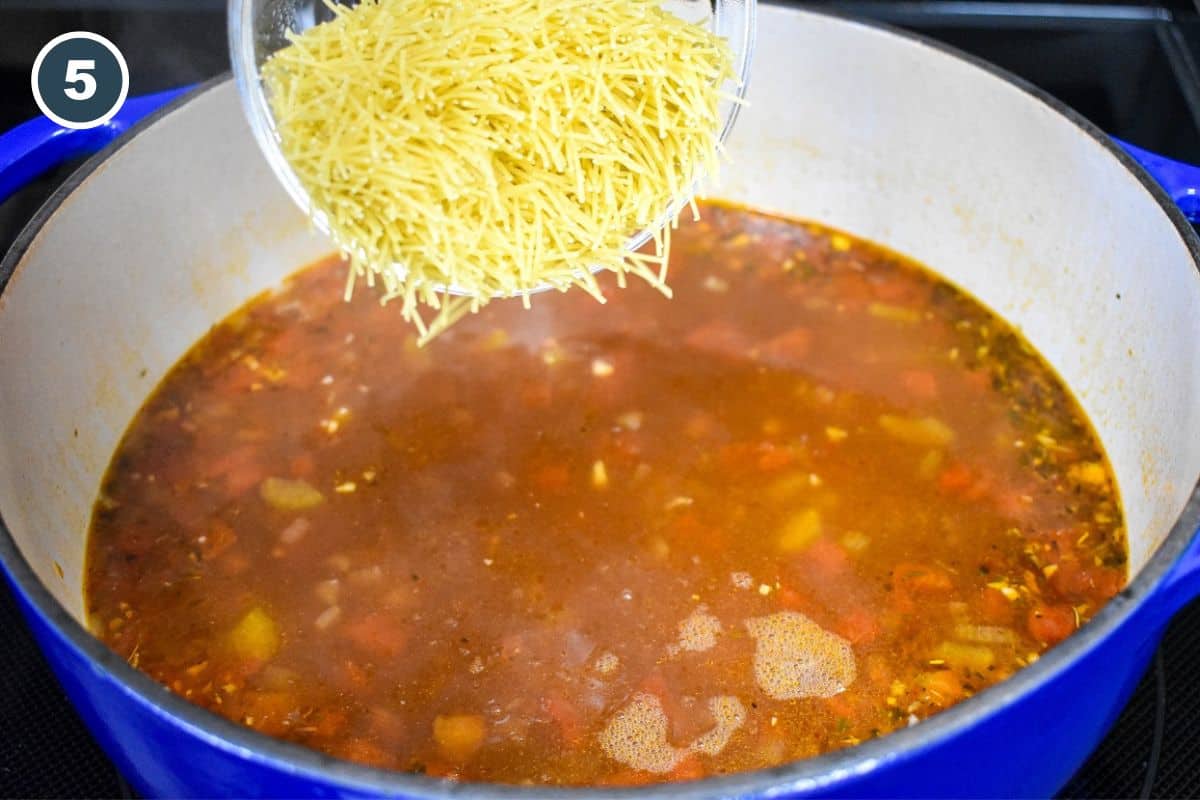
(920, 383)
(536, 395)
(699, 425)
(688, 531)
(788, 349)
(956, 478)
(718, 338)
(994, 607)
(827, 557)
(219, 538)
(566, 717)
(376, 633)
(362, 751)
(793, 600)
(353, 674)
(840, 705)
(922, 578)
(979, 380)
(1079, 582)
(1050, 624)
(238, 467)
(303, 465)
(772, 458)
(234, 563)
(858, 626)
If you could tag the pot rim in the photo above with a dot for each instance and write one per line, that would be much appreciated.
(812, 774)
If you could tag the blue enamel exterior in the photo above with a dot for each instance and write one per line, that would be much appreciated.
(1181, 181)
(1026, 746)
(1022, 738)
(37, 146)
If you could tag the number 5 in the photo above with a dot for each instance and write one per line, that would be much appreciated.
(77, 74)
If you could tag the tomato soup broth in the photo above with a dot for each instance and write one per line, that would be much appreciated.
(817, 496)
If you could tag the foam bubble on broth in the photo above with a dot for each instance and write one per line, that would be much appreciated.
(636, 736)
(697, 633)
(730, 715)
(795, 657)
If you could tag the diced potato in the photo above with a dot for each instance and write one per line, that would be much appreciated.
(986, 634)
(496, 340)
(788, 486)
(285, 494)
(855, 541)
(930, 466)
(256, 636)
(458, 736)
(1088, 472)
(800, 531)
(894, 313)
(966, 656)
(943, 686)
(924, 431)
(599, 475)
(835, 434)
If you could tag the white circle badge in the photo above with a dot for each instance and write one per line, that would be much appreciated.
(80, 80)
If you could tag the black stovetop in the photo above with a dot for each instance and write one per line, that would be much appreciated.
(1133, 68)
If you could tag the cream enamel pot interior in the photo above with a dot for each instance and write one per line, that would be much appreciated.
(880, 134)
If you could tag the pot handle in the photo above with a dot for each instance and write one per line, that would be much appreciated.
(34, 147)
(1182, 181)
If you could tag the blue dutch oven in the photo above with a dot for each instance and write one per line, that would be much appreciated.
(1081, 242)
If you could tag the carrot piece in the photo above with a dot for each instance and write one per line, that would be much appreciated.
(1050, 624)
(552, 478)
(920, 383)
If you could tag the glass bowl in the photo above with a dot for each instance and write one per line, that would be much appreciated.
(257, 28)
